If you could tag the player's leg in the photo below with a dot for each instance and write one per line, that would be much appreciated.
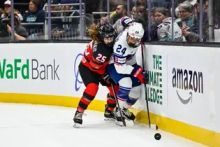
(88, 95)
(135, 92)
(90, 80)
(125, 85)
(111, 102)
(133, 95)
(109, 107)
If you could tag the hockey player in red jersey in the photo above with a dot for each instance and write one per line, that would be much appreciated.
(93, 70)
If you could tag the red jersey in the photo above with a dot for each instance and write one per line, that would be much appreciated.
(96, 57)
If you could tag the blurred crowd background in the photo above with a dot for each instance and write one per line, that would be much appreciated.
(163, 20)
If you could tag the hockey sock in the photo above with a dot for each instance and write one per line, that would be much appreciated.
(88, 96)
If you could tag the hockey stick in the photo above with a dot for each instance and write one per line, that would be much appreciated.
(145, 88)
(117, 103)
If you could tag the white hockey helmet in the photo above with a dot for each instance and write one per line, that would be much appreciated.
(135, 34)
(136, 30)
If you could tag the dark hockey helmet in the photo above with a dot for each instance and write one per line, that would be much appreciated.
(106, 31)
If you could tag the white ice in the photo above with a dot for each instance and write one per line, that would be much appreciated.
(25, 125)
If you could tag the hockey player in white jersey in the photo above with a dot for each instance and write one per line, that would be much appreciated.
(125, 71)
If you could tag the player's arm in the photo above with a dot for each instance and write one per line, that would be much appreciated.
(126, 21)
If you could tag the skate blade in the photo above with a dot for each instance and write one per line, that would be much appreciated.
(76, 125)
(119, 123)
(109, 119)
(129, 123)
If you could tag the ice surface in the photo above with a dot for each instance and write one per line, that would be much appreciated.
(25, 125)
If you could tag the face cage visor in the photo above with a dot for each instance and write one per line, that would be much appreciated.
(108, 40)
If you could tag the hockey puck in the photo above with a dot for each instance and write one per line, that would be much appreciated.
(157, 136)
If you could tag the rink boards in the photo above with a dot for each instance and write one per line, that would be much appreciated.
(183, 88)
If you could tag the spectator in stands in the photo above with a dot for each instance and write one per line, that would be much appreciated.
(104, 19)
(120, 11)
(21, 5)
(192, 2)
(188, 23)
(7, 11)
(133, 12)
(35, 13)
(138, 13)
(35, 16)
(141, 13)
(165, 24)
(20, 32)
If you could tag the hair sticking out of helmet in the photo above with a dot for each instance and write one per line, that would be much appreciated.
(135, 34)
(107, 31)
(93, 32)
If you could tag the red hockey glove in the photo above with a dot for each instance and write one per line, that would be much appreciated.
(138, 73)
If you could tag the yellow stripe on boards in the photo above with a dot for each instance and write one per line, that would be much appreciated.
(66, 101)
(194, 133)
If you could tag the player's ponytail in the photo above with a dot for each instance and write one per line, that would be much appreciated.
(93, 32)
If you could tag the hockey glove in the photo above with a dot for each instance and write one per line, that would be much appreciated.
(146, 77)
(107, 79)
(126, 21)
(138, 73)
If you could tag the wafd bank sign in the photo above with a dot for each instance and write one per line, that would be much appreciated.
(38, 68)
(42, 68)
(28, 69)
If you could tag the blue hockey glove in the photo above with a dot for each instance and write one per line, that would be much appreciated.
(126, 21)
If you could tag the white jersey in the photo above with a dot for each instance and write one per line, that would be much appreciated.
(123, 54)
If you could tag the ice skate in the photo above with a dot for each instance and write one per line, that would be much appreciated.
(127, 116)
(78, 119)
(118, 118)
(109, 115)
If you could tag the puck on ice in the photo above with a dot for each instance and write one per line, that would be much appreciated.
(157, 136)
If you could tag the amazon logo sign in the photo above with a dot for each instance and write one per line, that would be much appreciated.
(187, 81)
